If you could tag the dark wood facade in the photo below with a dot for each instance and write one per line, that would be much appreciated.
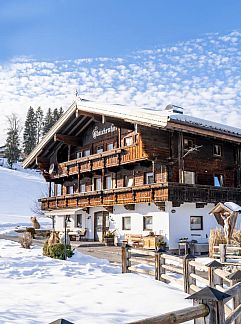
(111, 162)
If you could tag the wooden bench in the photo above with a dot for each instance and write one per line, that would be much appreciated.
(134, 239)
(75, 234)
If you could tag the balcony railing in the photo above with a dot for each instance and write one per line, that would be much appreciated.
(102, 160)
(175, 192)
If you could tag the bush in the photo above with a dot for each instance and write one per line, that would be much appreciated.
(56, 251)
(31, 230)
(26, 240)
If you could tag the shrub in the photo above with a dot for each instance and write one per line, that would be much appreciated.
(31, 230)
(26, 240)
(56, 251)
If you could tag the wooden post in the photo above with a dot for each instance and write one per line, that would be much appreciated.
(222, 251)
(186, 269)
(235, 277)
(125, 249)
(211, 276)
(157, 266)
(214, 299)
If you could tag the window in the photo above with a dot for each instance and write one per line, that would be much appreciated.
(78, 155)
(99, 149)
(128, 181)
(97, 184)
(187, 144)
(110, 146)
(189, 177)
(126, 223)
(128, 141)
(108, 182)
(59, 189)
(218, 180)
(79, 220)
(149, 177)
(82, 187)
(86, 152)
(70, 189)
(147, 223)
(196, 222)
(217, 150)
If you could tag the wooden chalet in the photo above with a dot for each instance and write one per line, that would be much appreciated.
(112, 167)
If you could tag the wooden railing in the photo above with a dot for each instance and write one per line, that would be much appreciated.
(119, 196)
(97, 161)
(157, 192)
(193, 276)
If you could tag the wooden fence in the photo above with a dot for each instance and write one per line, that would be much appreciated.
(225, 252)
(193, 276)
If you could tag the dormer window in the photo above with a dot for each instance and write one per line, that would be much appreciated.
(217, 150)
(128, 141)
(188, 144)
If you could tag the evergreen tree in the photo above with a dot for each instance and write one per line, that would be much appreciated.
(13, 140)
(30, 132)
(55, 115)
(48, 121)
(39, 115)
(61, 112)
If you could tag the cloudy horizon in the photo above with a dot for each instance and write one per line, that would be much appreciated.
(201, 75)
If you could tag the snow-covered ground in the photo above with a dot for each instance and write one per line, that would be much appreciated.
(37, 289)
(19, 191)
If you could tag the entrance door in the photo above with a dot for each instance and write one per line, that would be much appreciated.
(101, 225)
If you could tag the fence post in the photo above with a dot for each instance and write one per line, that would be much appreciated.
(125, 256)
(212, 280)
(222, 251)
(235, 277)
(187, 258)
(214, 299)
(157, 266)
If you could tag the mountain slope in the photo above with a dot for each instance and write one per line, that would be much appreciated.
(19, 190)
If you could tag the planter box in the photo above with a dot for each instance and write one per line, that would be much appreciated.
(109, 241)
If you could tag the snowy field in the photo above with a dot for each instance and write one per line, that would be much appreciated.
(37, 289)
(19, 191)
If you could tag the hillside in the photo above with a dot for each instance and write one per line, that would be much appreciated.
(19, 190)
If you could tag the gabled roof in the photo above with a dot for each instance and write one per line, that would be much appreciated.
(170, 118)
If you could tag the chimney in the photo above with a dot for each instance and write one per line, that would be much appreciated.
(172, 109)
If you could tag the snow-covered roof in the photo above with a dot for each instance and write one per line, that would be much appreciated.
(203, 123)
(142, 116)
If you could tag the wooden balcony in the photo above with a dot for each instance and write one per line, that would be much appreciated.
(174, 192)
(98, 161)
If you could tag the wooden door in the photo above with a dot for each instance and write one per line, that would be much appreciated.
(101, 225)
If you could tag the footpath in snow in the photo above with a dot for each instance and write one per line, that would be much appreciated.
(36, 289)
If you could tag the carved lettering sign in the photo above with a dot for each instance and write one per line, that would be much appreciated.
(99, 132)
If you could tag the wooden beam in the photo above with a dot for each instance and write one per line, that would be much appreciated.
(68, 139)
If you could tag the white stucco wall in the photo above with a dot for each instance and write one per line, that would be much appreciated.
(180, 223)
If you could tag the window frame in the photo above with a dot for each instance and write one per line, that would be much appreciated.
(107, 146)
(124, 224)
(81, 222)
(216, 154)
(187, 147)
(126, 179)
(200, 224)
(105, 182)
(145, 227)
(147, 176)
(126, 138)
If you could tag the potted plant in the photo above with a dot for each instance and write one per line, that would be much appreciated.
(109, 238)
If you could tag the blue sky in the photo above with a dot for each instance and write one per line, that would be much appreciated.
(142, 53)
(59, 29)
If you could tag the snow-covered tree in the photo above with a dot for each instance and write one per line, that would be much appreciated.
(30, 132)
(13, 139)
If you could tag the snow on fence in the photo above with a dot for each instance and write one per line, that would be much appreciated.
(193, 276)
